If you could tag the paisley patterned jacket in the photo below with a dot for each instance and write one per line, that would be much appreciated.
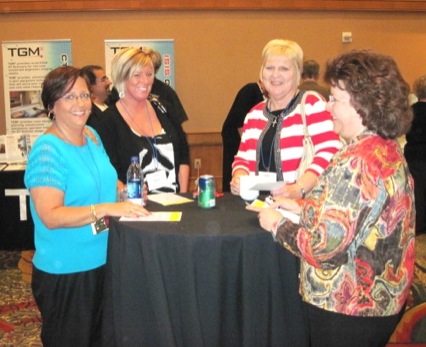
(356, 232)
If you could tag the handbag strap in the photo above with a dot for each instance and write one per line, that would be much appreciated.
(302, 110)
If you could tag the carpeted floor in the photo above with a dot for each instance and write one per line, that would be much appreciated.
(19, 316)
(20, 319)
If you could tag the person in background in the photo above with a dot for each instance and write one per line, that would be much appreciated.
(415, 152)
(99, 85)
(272, 138)
(310, 76)
(247, 97)
(73, 188)
(138, 125)
(355, 236)
(163, 91)
(160, 90)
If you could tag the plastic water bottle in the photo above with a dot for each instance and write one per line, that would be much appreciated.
(134, 182)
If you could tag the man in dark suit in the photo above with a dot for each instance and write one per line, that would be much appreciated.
(99, 85)
(247, 97)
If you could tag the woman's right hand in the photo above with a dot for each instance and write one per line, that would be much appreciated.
(123, 209)
(235, 182)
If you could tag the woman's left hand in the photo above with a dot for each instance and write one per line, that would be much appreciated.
(269, 218)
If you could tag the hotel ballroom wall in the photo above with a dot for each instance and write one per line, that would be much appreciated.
(218, 51)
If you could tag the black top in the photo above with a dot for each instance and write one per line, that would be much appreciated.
(121, 143)
(171, 100)
(247, 97)
(95, 115)
(415, 149)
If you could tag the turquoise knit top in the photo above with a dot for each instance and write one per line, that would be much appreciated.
(86, 176)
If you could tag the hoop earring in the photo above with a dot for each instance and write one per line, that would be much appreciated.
(121, 95)
(51, 115)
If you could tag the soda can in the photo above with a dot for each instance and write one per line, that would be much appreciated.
(206, 191)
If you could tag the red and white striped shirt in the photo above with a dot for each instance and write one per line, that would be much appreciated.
(320, 128)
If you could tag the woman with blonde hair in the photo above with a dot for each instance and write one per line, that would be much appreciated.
(273, 131)
(139, 125)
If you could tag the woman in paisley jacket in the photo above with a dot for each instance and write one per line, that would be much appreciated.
(355, 236)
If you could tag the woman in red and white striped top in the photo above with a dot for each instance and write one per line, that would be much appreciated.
(272, 138)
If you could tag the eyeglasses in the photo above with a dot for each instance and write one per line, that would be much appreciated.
(102, 79)
(73, 98)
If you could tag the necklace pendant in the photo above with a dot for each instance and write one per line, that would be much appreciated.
(274, 123)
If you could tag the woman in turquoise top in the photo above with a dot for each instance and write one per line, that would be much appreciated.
(73, 190)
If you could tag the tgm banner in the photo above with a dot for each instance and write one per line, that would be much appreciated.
(25, 64)
(165, 47)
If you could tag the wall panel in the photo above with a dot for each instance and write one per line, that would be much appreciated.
(8, 6)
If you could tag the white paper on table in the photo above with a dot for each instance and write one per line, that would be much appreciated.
(167, 199)
(260, 182)
(155, 217)
(267, 185)
(293, 217)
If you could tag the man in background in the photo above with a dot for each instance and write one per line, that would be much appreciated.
(163, 91)
(247, 97)
(310, 76)
(99, 85)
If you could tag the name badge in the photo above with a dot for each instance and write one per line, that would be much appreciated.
(156, 179)
(266, 174)
(100, 225)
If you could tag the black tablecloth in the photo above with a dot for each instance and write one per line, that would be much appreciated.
(213, 279)
(16, 224)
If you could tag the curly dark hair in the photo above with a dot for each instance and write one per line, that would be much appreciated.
(377, 89)
(56, 84)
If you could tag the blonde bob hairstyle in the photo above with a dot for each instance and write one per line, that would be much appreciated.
(287, 48)
(126, 63)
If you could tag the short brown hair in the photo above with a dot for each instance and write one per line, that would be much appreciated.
(419, 87)
(57, 83)
(310, 69)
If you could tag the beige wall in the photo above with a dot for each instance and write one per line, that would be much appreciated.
(219, 51)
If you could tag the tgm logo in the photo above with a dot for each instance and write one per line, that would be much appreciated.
(25, 52)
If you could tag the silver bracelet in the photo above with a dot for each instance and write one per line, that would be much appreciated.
(301, 189)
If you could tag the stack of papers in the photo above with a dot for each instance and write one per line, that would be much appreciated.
(167, 199)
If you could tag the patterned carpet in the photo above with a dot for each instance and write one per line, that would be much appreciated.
(19, 317)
